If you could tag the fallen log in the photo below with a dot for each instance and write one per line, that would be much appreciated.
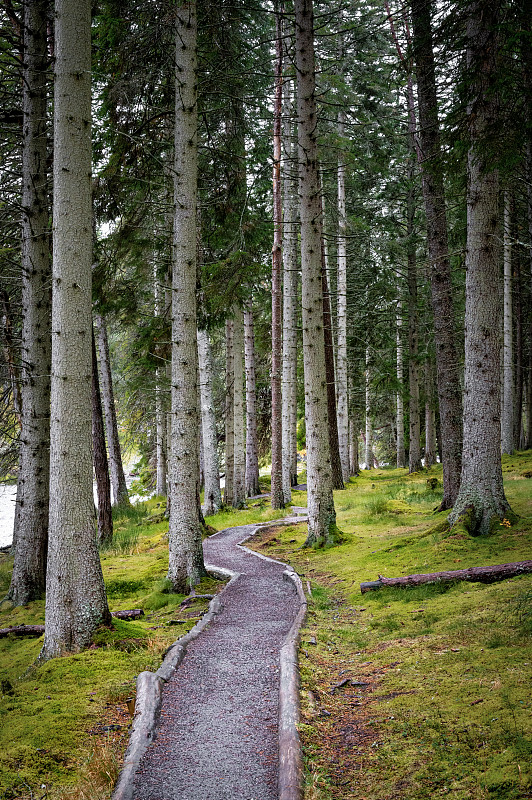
(22, 630)
(38, 630)
(133, 613)
(497, 572)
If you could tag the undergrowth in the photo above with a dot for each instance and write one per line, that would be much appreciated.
(436, 701)
(64, 726)
(437, 697)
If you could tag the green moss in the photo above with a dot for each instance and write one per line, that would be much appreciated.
(45, 713)
(447, 711)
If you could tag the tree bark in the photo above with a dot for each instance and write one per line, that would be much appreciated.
(118, 480)
(290, 286)
(277, 495)
(447, 362)
(229, 414)
(334, 446)
(508, 409)
(368, 452)
(239, 476)
(321, 513)
(10, 356)
(430, 416)
(186, 567)
(519, 439)
(99, 455)
(481, 501)
(31, 535)
(354, 465)
(400, 414)
(529, 220)
(252, 450)
(75, 594)
(161, 433)
(341, 311)
(212, 495)
(414, 447)
(498, 572)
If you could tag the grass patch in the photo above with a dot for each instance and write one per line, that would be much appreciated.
(65, 725)
(438, 701)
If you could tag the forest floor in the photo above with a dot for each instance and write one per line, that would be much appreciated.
(410, 693)
(419, 692)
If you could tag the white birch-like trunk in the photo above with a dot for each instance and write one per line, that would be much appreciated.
(321, 512)
(186, 566)
(276, 493)
(508, 411)
(368, 452)
(118, 479)
(229, 414)
(239, 477)
(252, 453)
(212, 501)
(31, 520)
(75, 594)
(341, 315)
(400, 413)
(290, 284)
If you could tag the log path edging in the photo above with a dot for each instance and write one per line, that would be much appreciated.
(150, 684)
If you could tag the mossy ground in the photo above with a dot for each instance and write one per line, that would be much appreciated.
(442, 706)
(64, 726)
(437, 701)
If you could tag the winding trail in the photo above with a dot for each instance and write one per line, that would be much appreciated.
(217, 737)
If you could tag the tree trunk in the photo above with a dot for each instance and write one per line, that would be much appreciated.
(336, 462)
(212, 495)
(252, 451)
(277, 495)
(75, 593)
(368, 452)
(99, 456)
(321, 513)
(529, 219)
(481, 501)
(430, 416)
(31, 536)
(354, 465)
(414, 447)
(239, 478)
(10, 356)
(186, 567)
(341, 313)
(519, 439)
(229, 414)
(447, 362)
(400, 414)
(160, 405)
(508, 410)
(290, 284)
(118, 480)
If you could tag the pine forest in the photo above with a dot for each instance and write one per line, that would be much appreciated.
(265, 287)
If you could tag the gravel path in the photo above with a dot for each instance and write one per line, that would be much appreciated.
(217, 738)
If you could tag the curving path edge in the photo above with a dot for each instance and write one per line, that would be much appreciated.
(150, 685)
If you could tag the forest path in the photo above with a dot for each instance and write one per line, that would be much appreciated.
(217, 737)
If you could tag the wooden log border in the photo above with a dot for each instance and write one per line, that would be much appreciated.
(149, 686)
